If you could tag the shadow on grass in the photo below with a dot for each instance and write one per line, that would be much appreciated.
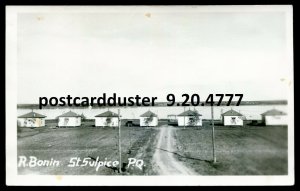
(115, 169)
(215, 165)
(208, 161)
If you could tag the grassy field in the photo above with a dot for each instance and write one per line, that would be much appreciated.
(63, 143)
(249, 150)
(245, 150)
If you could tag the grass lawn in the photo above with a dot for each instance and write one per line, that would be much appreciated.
(63, 143)
(245, 150)
(249, 150)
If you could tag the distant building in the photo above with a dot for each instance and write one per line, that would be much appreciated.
(232, 118)
(107, 119)
(172, 118)
(148, 119)
(189, 118)
(69, 119)
(274, 117)
(31, 119)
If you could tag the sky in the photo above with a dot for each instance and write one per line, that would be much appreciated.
(152, 52)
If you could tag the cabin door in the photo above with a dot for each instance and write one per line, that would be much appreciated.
(66, 121)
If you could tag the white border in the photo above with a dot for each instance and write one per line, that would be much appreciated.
(12, 178)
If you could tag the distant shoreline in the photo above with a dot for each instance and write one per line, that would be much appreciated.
(163, 104)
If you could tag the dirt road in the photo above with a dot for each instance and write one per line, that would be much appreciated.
(164, 159)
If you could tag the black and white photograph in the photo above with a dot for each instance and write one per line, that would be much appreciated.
(149, 95)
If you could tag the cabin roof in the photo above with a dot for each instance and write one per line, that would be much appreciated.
(32, 115)
(232, 113)
(190, 113)
(107, 114)
(69, 114)
(274, 112)
(148, 114)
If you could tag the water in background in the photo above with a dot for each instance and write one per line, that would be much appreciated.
(250, 112)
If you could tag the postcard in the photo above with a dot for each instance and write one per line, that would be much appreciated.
(149, 95)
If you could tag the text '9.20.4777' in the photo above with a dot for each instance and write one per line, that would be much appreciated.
(211, 99)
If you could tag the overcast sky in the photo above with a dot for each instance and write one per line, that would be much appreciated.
(152, 53)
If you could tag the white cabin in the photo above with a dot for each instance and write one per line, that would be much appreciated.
(274, 117)
(69, 119)
(189, 118)
(148, 119)
(31, 119)
(107, 119)
(232, 118)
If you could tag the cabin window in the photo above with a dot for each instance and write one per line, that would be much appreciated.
(191, 121)
(233, 120)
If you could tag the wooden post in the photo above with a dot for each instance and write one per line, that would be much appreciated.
(129, 136)
(120, 157)
(213, 133)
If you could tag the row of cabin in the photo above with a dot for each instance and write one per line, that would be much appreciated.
(193, 118)
(271, 117)
(150, 119)
(231, 118)
(71, 119)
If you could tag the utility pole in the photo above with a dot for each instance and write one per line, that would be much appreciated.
(213, 133)
(120, 157)
(183, 118)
